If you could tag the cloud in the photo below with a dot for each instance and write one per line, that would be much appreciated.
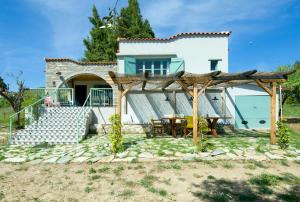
(213, 15)
(68, 20)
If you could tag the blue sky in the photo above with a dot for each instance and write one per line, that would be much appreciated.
(266, 33)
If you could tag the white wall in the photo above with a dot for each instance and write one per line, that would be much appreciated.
(195, 50)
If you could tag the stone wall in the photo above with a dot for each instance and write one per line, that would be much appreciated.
(59, 71)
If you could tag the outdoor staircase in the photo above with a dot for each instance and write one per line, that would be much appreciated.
(57, 125)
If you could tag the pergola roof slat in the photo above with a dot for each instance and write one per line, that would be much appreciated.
(219, 79)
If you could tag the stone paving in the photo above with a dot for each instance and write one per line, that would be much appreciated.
(140, 148)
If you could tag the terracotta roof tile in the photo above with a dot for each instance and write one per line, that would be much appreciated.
(225, 33)
(78, 62)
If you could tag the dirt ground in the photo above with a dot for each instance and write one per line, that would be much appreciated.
(150, 181)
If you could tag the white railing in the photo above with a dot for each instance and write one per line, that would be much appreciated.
(26, 116)
(63, 96)
(101, 97)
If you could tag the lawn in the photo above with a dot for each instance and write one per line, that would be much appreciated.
(292, 113)
(155, 181)
(291, 110)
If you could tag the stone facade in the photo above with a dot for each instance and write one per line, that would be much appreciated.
(60, 71)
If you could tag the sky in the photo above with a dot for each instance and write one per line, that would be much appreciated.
(265, 33)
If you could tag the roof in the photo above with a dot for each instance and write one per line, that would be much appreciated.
(225, 33)
(78, 62)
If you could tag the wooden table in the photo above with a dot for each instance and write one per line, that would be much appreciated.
(212, 123)
(173, 124)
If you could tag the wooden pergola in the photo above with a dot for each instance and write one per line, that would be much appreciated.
(195, 84)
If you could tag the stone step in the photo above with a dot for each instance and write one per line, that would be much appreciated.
(57, 125)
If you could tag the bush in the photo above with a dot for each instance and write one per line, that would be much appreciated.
(115, 134)
(203, 125)
(204, 145)
(283, 135)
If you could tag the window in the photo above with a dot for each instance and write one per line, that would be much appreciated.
(153, 66)
(214, 65)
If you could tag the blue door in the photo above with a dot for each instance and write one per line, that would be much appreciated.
(252, 111)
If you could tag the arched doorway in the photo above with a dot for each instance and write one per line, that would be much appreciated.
(84, 83)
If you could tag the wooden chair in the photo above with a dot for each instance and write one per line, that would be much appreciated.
(180, 125)
(157, 126)
(189, 126)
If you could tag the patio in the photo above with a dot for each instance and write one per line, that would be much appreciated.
(241, 145)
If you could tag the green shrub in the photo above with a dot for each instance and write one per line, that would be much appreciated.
(204, 145)
(283, 135)
(203, 125)
(115, 134)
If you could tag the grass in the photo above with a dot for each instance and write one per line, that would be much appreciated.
(103, 169)
(284, 162)
(148, 180)
(88, 189)
(295, 138)
(130, 183)
(265, 180)
(227, 165)
(2, 196)
(127, 193)
(160, 192)
(92, 171)
(291, 110)
(214, 196)
(175, 166)
(117, 171)
(95, 177)
(79, 171)
(252, 164)
(210, 177)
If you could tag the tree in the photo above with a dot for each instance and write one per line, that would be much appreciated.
(98, 47)
(131, 23)
(292, 86)
(102, 43)
(15, 99)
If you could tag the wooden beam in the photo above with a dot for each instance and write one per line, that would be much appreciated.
(167, 84)
(204, 87)
(273, 114)
(195, 114)
(130, 87)
(260, 84)
(185, 88)
(235, 76)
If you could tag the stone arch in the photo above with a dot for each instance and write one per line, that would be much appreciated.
(65, 79)
(82, 81)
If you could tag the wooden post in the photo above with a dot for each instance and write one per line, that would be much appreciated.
(273, 114)
(125, 104)
(119, 106)
(195, 114)
(174, 95)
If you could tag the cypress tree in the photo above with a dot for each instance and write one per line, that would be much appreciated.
(97, 43)
(131, 23)
(102, 43)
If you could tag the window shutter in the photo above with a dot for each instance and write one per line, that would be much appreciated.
(176, 65)
(130, 65)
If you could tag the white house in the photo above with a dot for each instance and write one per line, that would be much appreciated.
(246, 106)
